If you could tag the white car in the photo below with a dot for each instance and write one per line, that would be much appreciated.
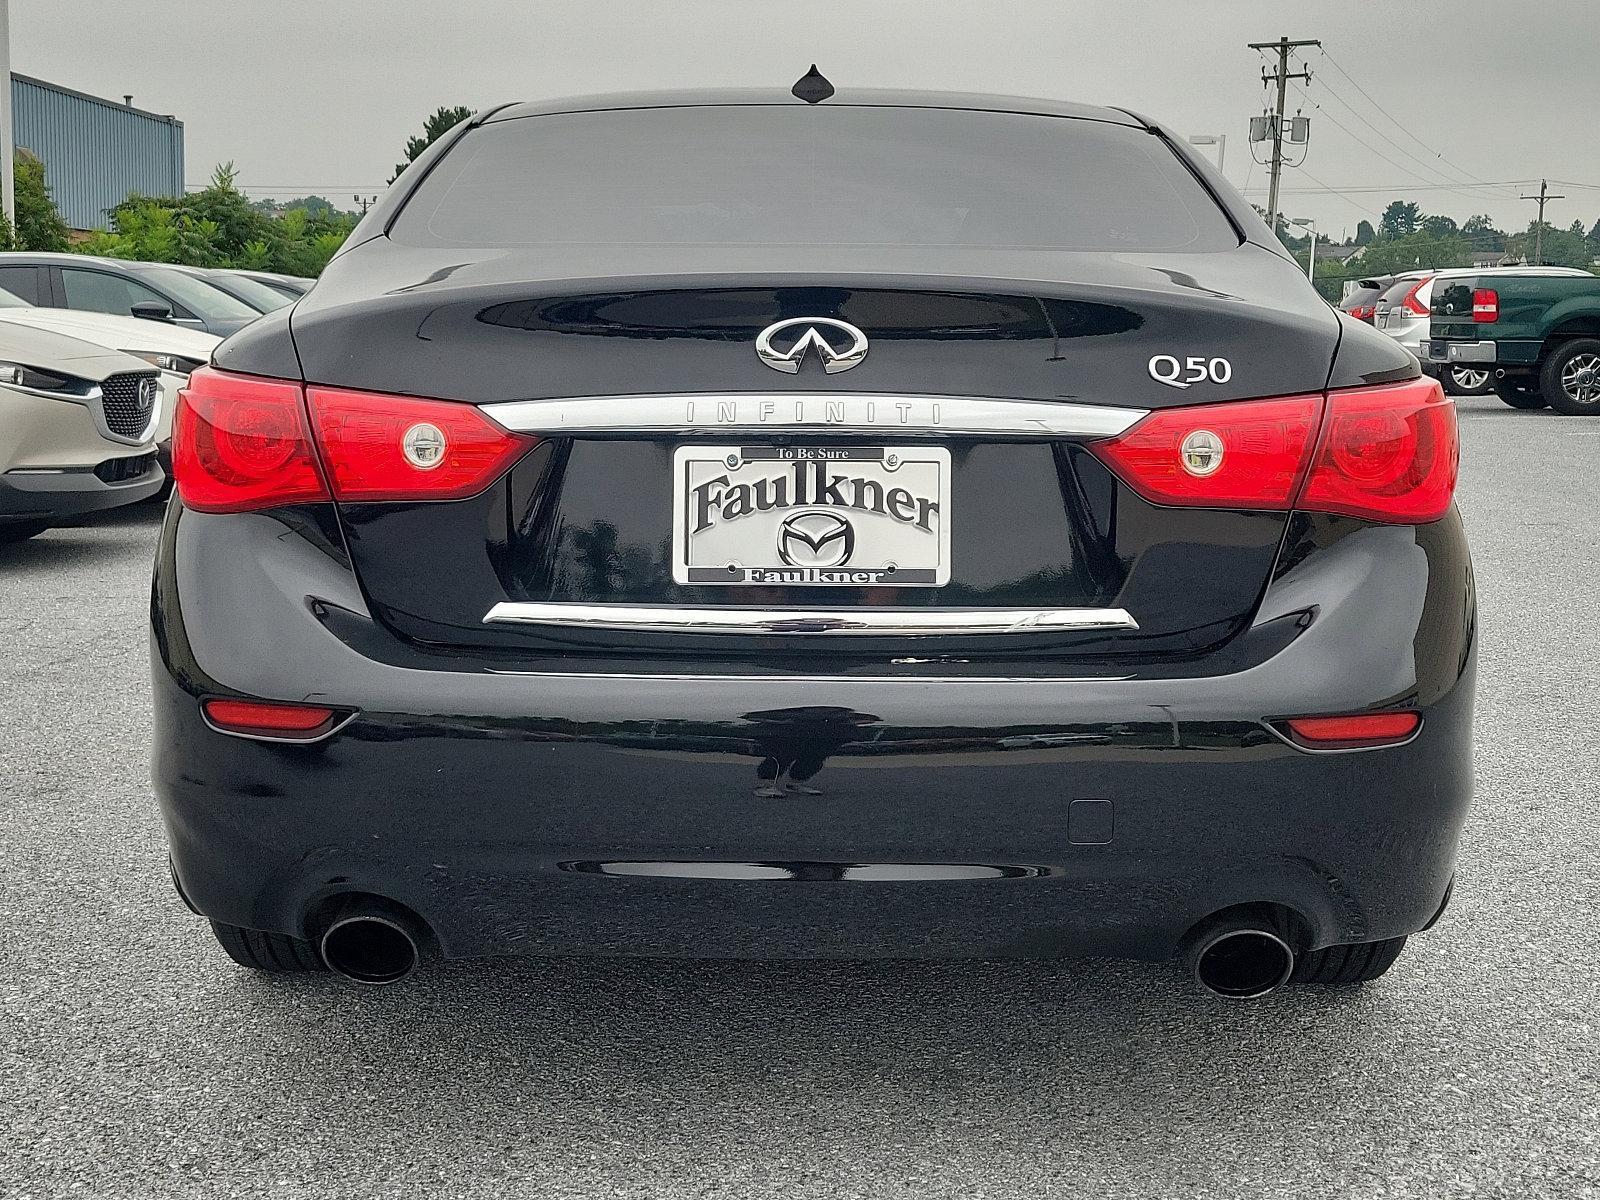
(1402, 312)
(76, 423)
(172, 349)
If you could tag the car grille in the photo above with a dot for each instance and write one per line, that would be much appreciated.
(126, 403)
(120, 470)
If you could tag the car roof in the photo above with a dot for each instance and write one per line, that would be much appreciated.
(47, 257)
(772, 97)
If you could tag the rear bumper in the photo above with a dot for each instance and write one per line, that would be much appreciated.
(1442, 353)
(550, 808)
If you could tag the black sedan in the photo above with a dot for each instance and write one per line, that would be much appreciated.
(814, 524)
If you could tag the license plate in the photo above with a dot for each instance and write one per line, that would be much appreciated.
(811, 516)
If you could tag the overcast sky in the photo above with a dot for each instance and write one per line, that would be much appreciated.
(320, 95)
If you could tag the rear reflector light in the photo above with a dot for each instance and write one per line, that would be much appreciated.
(379, 447)
(268, 718)
(1411, 303)
(1385, 453)
(1485, 306)
(1363, 312)
(1249, 454)
(241, 443)
(1368, 729)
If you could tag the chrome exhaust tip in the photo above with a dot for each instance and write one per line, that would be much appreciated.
(1239, 959)
(371, 944)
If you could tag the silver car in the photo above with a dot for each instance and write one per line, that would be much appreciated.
(1402, 312)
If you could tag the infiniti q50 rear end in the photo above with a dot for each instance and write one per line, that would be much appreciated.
(901, 525)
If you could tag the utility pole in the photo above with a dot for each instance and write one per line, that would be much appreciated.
(366, 202)
(1543, 198)
(1281, 77)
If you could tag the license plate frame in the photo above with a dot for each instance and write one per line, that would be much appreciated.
(885, 507)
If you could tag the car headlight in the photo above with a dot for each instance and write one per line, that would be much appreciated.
(176, 363)
(68, 387)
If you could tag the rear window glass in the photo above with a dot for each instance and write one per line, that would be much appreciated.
(826, 176)
(1453, 298)
(1360, 297)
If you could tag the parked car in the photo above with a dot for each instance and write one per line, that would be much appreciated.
(838, 547)
(1361, 301)
(257, 295)
(1537, 331)
(173, 350)
(154, 291)
(1403, 314)
(292, 286)
(76, 423)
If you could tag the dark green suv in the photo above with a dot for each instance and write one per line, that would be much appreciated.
(1538, 333)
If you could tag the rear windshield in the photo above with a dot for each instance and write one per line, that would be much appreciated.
(1453, 298)
(1359, 298)
(825, 176)
(1396, 292)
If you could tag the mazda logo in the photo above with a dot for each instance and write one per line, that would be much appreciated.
(784, 346)
(816, 539)
(147, 392)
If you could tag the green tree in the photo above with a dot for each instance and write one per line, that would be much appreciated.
(1594, 238)
(1417, 250)
(1480, 229)
(433, 129)
(39, 226)
(1401, 219)
(1556, 248)
(1439, 227)
(1365, 233)
(218, 226)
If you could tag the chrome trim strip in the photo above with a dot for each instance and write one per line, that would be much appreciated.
(859, 622)
(611, 677)
(880, 415)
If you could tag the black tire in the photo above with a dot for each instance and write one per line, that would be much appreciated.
(1518, 395)
(270, 952)
(1339, 966)
(1571, 378)
(21, 531)
(1481, 382)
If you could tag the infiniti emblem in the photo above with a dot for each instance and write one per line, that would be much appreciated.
(816, 539)
(784, 346)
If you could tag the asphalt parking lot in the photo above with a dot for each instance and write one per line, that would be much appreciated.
(139, 1062)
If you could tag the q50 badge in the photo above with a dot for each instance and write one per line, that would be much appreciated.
(1186, 372)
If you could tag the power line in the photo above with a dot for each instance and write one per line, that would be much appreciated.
(1412, 187)
(1453, 185)
(1410, 154)
(1455, 166)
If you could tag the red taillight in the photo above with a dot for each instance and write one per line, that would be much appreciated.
(1247, 454)
(1387, 453)
(1363, 312)
(240, 443)
(1367, 729)
(1413, 305)
(269, 718)
(380, 447)
(1485, 306)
